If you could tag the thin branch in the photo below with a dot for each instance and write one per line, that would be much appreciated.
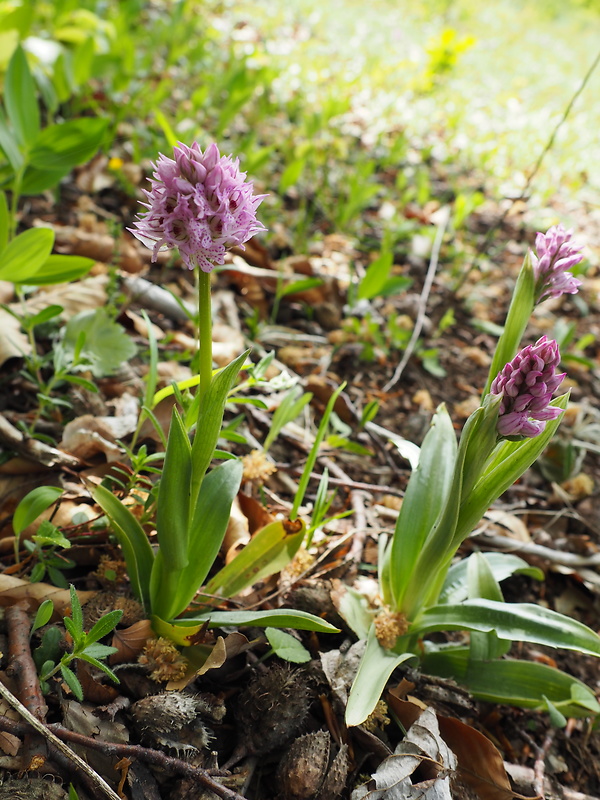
(422, 310)
(20, 729)
(530, 178)
(55, 733)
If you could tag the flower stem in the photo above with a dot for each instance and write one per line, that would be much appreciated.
(204, 331)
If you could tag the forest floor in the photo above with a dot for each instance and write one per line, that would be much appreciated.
(550, 517)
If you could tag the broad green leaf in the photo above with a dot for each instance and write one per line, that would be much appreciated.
(64, 146)
(62, 269)
(354, 608)
(268, 552)
(287, 646)
(211, 516)
(105, 344)
(424, 499)
(519, 622)
(36, 181)
(210, 420)
(172, 590)
(43, 615)
(277, 618)
(395, 285)
(26, 253)
(32, 505)
(376, 666)
(10, 146)
(173, 504)
(502, 565)
(519, 683)
(376, 276)
(482, 584)
(20, 99)
(4, 222)
(45, 315)
(134, 542)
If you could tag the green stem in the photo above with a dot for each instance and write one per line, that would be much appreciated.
(204, 332)
(14, 203)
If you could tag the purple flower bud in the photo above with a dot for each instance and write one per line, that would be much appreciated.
(556, 253)
(526, 384)
(200, 203)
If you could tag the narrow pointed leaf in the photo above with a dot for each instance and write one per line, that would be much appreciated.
(519, 683)
(210, 419)
(173, 504)
(277, 618)
(375, 668)
(502, 565)
(424, 499)
(133, 540)
(269, 550)
(519, 622)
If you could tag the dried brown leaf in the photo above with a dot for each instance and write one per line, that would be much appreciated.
(130, 641)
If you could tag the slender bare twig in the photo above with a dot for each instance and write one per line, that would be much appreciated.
(19, 729)
(422, 310)
(530, 178)
(357, 499)
(56, 733)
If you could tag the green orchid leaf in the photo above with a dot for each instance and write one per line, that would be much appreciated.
(424, 499)
(518, 683)
(376, 666)
(136, 548)
(172, 590)
(268, 552)
(482, 584)
(173, 504)
(502, 566)
(519, 622)
(211, 515)
(277, 618)
(517, 319)
(210, 420)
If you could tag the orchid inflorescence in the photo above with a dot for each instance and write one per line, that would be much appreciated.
(526, 384)
(200, 203)
(556, 253)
